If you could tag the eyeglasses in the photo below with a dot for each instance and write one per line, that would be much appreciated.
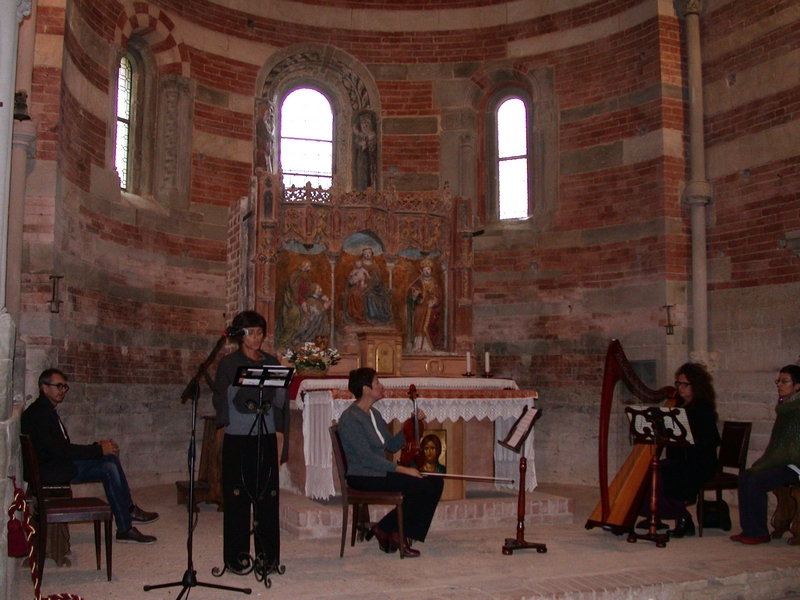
(682, 384)
(59, 386)
(783, 382)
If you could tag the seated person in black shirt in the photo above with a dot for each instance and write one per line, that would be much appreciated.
(61, 461)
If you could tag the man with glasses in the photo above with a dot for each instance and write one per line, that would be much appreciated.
(61, 461)
(779, 465)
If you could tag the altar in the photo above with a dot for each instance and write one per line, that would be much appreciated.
(442, 398)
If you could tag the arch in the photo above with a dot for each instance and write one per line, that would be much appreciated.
(153, 25)
(535, 87)
(344, 81)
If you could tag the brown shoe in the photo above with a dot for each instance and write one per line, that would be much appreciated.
(134, 536)
(405, 547)
(142, 516)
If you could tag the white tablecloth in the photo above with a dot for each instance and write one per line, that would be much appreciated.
(320, 408)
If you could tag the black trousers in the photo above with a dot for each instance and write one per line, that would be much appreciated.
(420, 498)
(241, 492)
(753, 488)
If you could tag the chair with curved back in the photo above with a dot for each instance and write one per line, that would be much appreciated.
(359, 499)
(732, 455)
(51, 510)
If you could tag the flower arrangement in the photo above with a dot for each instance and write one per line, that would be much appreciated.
(310, 356)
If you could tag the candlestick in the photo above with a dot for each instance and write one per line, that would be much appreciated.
(469, 363)
(486, 362)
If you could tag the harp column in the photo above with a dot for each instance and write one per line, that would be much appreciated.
(698, 191)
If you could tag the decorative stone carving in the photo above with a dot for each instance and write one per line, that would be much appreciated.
(173, 149)
(692, 7)
(23, 9)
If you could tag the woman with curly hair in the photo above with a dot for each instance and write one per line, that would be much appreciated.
(685, 469)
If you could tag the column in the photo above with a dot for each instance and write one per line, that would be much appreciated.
(698, 191)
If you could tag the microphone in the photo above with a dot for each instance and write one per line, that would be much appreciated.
(232, 332)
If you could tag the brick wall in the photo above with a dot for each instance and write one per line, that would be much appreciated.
(146, 291)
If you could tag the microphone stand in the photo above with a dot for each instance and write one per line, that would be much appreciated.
(192, 392)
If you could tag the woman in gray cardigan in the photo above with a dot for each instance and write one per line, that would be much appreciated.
(365, 438)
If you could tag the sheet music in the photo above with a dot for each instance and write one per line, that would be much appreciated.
(267, 375)
(670, 421)
(522, 427)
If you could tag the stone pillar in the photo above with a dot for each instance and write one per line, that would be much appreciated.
(698, 190)
(11, 15)
(23, 150)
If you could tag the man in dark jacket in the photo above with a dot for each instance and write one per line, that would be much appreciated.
(61, 461)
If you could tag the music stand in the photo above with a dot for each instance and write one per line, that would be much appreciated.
(658, 426)
(515, 441)
(261, 376)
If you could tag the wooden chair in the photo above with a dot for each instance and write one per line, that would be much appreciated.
(359, 499)
(49, 510)
(786, 516)
(733, 455)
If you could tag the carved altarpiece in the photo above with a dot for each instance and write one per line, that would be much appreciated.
(314, 245)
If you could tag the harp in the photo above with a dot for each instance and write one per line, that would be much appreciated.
(620, 500)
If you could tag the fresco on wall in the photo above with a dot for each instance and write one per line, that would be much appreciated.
(303, 309)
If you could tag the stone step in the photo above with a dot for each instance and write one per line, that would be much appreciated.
(310, 519)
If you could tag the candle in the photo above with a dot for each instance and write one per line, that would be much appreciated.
(486, 362)
(469, 362)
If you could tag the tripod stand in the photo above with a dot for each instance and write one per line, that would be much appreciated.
(189, 580)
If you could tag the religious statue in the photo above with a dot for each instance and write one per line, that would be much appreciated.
(265, 124)
(424, 305)
(365, 146)
(366, 299)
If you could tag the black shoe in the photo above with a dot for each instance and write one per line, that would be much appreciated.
(683, 528)
(645, 524)
(134, 536)
(142, 516)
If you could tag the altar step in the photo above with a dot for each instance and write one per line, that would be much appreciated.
(310, 519)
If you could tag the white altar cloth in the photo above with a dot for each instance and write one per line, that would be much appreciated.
(322, 402)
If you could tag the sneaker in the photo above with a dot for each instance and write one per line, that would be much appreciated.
(142, 516)
(134, 536)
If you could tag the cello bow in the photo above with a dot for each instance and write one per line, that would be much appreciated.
(480, 478)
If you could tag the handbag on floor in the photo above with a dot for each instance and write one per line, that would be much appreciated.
(716, 515)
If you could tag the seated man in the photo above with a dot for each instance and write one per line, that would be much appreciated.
(779, 465)
(60, 461)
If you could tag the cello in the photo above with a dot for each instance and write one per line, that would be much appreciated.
(620, 500)
(411, 454)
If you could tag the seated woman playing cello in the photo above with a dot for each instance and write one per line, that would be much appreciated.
(365, 437)
(685, 469)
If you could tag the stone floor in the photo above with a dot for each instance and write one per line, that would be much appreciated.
(455, 563)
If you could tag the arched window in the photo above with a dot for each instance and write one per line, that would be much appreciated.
(306, 139)
(511, 172)
(513, 197)
(122, 152)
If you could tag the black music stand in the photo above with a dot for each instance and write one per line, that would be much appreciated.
(261, 376)
(515, 441)
(657, 426)
(192, 392)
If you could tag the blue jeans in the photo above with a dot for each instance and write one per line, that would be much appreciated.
(753, 488)
(109, 470)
